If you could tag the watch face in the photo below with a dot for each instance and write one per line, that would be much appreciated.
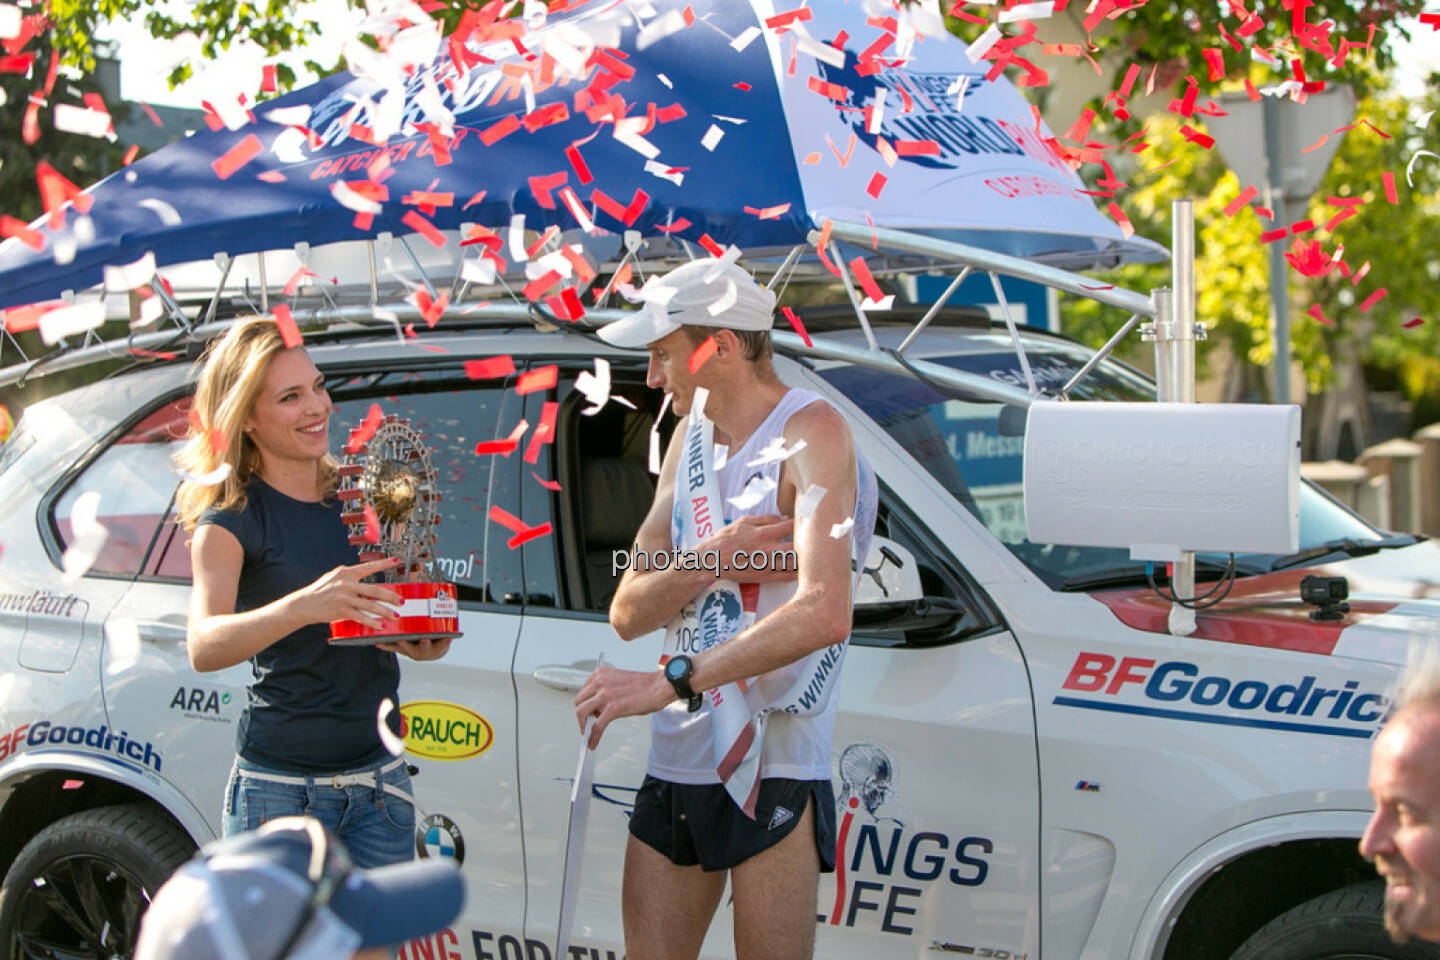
(675, 667)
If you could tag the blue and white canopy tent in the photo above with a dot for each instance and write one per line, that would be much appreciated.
(639, 131)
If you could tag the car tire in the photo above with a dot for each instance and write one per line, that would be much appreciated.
(100, 869)
(1344, 923)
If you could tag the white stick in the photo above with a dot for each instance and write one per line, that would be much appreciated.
(575, 836)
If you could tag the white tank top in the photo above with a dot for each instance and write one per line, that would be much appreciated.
(796, 748)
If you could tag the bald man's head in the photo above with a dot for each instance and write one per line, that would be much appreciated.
(1403, 837)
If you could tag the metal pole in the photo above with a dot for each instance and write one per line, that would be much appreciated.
(1279, 279)
(1175, 342)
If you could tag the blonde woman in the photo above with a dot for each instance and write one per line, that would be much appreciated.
(272, 566)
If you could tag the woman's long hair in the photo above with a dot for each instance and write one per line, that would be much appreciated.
(232, 374)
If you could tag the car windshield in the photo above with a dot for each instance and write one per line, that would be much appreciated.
(977, 454)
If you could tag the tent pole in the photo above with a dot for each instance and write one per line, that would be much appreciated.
(416, 263)
(936, 307)
(789, 262)
(1014, 334)
(228, 262)
(374, 284)
(264, 288)
(855, 302)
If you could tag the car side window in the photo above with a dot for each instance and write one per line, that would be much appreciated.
(135, 480)
(950, 607)
(453, 414)
(601, 462)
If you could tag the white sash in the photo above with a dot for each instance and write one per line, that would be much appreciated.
(722, 610)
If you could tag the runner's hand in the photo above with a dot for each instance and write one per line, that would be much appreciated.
(750, 535)
(340, 595)
(609, 694)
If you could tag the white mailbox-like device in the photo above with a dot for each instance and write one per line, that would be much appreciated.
(1160, 478)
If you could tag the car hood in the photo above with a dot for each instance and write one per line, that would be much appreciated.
(1394, 600)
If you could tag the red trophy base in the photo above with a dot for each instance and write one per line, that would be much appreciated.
(428, 611)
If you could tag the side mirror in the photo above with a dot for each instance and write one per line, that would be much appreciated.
(890, 576)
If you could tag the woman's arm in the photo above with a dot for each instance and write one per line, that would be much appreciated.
(218, 637)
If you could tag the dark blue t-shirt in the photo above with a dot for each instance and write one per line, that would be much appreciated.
(311, 707)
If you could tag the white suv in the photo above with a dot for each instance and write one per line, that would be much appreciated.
(1027, 764)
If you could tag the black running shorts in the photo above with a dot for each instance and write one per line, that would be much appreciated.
(699, 824)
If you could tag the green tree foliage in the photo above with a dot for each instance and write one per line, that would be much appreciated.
(1232, 273)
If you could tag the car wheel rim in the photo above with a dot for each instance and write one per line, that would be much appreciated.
(81, 906)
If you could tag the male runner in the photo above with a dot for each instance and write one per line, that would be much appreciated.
(690, 823)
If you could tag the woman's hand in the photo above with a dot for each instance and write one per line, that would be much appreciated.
(340, 595)
(426, 649)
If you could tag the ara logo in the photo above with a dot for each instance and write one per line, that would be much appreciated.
(200, 702)
(874, 851)
(437, 837)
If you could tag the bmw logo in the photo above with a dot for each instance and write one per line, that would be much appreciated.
(437, 837)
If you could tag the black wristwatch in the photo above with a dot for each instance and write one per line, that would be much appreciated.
(677, 671)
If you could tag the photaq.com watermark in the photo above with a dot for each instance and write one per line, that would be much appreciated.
(643, 561)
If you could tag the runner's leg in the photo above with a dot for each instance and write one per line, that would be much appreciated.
(775, 893)
(667, 909)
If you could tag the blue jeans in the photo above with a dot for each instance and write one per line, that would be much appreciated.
(376, 826)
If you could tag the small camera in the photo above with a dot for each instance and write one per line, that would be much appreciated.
(1326, 594)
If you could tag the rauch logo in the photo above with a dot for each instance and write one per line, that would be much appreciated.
(444, 731)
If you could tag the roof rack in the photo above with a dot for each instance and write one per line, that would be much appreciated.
(178, 334)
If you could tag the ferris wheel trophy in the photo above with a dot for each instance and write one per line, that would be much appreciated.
(387, 486)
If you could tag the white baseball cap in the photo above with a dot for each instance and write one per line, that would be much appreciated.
(708, 293)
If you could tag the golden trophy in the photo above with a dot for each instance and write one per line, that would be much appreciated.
(387, 483)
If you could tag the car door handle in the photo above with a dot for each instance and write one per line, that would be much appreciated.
(158, 631)
(559, 677)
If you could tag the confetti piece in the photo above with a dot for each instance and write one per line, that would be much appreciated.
(544, 431)
(861, 269)
(131, 275)
(78, 120)
(1360, 274)
(917, 148)
(744, 38)
(839, 530)
(797, 325)
(1411, 324)
(775, 452)
(1215, 57)
(1127, 229)
(541, 378)
(289, 332)
(88, 536)
(826, 89)
(805, 506)
(977, 50)
(726, 300)
(11, 227)
(547, 484)
(712, 137)
(237, 156)
(431, 310)
(1270, 236)
(56, 191)
(1028, 11)
(755, 490)
(577, 163)
(67, 321)
(1317, 144)
(353, 199)
(530, 533)
(497, 131)
(425, 228)
(218, 441)
(1240, 202)
(393, 744)
(537, 288)
(1196, 137)
(502, 447)
(372, 525)
(1373, 299)
(877, 183)
(11, 21)
(1388, 179)
(701, 354)
(1319, 314)
(654, 452)
(811, 159)
(1410, 167)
